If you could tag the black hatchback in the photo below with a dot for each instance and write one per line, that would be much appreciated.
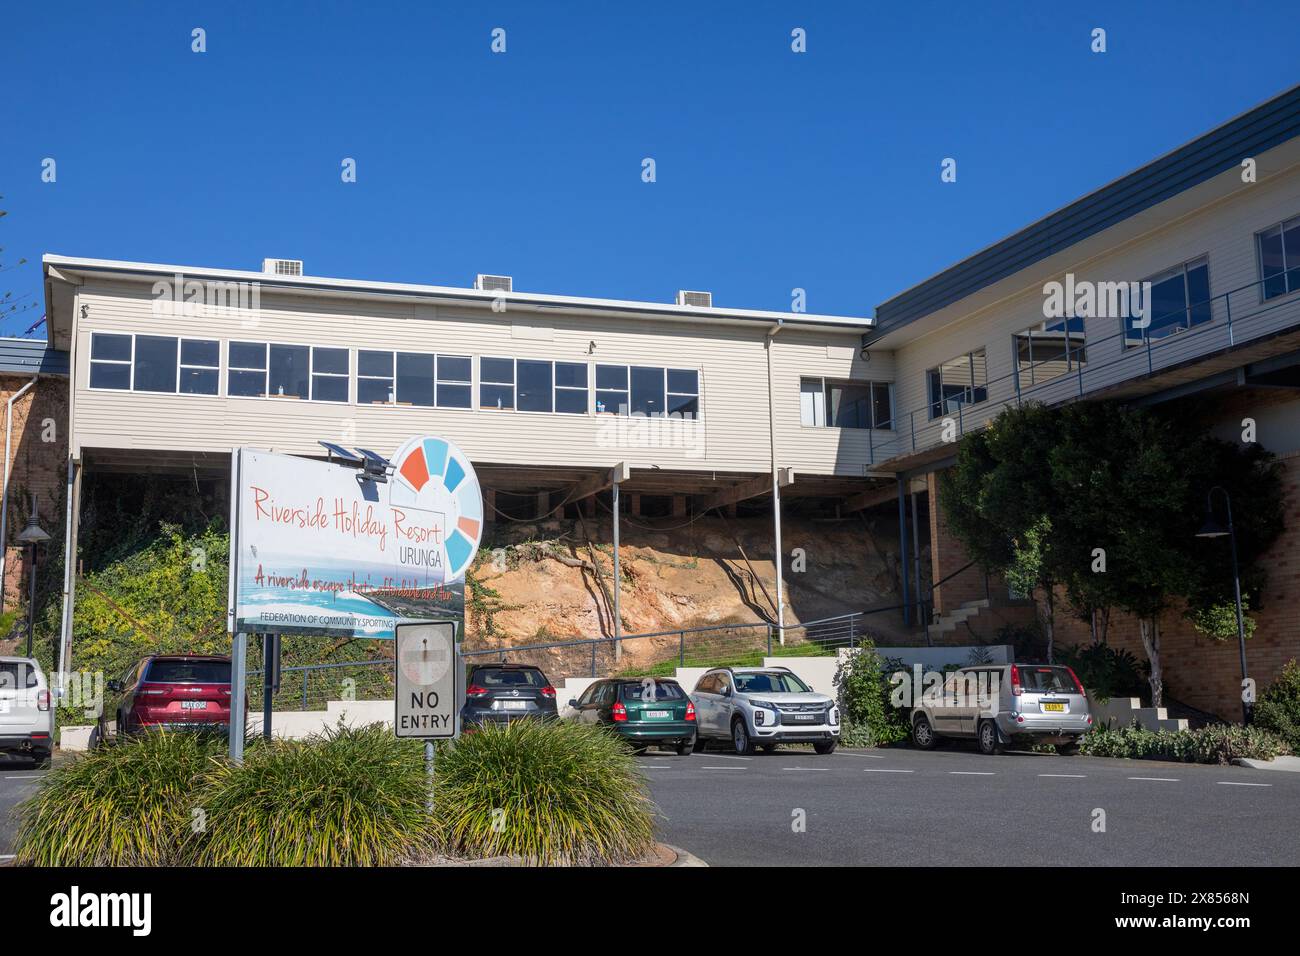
(500, 693)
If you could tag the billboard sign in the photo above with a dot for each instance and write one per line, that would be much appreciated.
(321, 549)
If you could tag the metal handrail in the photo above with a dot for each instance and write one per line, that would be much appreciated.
(1083, 367)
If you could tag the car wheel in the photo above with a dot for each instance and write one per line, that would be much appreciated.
(699, 744)
(989, 741)
(923, 734)
(1068, 750)
(740, 738)
(685, 748)
(824, 747)
(768, 748)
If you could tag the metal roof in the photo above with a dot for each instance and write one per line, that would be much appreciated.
(31, 357)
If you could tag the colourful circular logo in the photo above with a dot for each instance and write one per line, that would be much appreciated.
(433, 479)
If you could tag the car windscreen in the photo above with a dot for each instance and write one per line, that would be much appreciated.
(15, 675)
(188, 672)
(1047, 680)
(490, 677)
(770, 684)
(657, 690)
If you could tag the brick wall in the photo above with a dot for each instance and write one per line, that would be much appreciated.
(947, 555)
(38, 464)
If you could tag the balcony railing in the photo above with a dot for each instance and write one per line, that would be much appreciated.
(1096, 365)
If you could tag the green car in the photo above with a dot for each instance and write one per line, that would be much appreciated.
(648, 711)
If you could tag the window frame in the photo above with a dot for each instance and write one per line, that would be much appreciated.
(129, 364)
(936, 408)
(513, 384)
(1164, 275)
(627, 367)
(346, 375)
(557, 388)
(825, 382)
(1287, 268)
(1071, 362)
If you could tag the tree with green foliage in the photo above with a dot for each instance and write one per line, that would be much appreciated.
(1104, 500)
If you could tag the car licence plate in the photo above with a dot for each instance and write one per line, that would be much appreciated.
(1054, 708)
(514, 705)
(657, 714)
(804, 717)
(194, 705)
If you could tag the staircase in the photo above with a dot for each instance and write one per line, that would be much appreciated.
(949, 621)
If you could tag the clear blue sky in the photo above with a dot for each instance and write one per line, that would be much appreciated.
(775, 170)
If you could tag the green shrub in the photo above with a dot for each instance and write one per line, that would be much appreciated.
(351, 797)
(868, 717)
(1104, 670)
(123, 805)
(1278, 708)
(552, 792)
(1218, 743)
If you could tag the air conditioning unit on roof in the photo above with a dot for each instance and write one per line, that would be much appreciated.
(703, 300)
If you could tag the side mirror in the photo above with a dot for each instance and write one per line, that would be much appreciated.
(573, 702)
(115, 686)
(726, 692)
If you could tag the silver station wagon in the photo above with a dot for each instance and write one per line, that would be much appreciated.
(993, 704)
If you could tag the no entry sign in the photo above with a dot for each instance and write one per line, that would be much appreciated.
(427, 679)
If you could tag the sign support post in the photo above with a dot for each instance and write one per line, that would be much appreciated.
(238, 680)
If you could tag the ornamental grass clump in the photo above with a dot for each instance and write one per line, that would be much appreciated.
(550, 793)
(126, 804)
(350, 797)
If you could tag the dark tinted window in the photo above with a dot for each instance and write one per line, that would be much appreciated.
(290, 368)
(155, 364)
(193, 672)
(534, 386)
(200, 352)
(770, 683)
(1044, 680)
(414, 379)
(648, 391)
(491, 677)
(114, 347)
(15, 675)
(662, 690)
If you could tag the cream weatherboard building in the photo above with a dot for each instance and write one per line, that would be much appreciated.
(172, 366)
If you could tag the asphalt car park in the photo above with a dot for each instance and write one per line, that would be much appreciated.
(900, 807)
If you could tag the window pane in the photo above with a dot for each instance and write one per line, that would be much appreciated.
(812, 402)
(104, 375)
(647, 391)
(110, 347)
(453, 368)
(329, 388)
(1271, 263)
(882, 413)
(247, 355)
(534, 386)
(1168, 306)
(496, 396)
(372, 390)
(1291, 243)
(612, 403)
(199, 381)
(245, 383)
(200, 352)
(414, 379)
(571, 401)
(684, 406)
(330, 360)
(454, 396)
(496, 370)
(570, 375)
(612, 377)
(850, 405)
(289, 370)
(1198, 293)
(378, 364)
(155, 364)
(686, 381)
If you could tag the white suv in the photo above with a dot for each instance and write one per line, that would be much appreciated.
(26, 711)
(762, 706)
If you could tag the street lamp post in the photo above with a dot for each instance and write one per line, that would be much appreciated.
(31, 536)
(1212, 529)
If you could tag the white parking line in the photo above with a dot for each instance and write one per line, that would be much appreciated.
(1079, 775)
(822, 769)
(885, 770)
(724, 768)
(1157, 779)
(1239, 783)
(973, 773)
(729, 757)
(841, 753)
(27, 776)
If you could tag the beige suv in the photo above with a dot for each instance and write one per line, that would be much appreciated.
(993, 704)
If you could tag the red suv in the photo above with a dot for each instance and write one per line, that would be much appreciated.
(177, 691)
